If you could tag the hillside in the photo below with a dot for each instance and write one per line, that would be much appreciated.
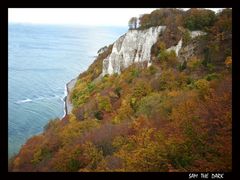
(158, 99)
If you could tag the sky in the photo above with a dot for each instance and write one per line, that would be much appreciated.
(77, 16)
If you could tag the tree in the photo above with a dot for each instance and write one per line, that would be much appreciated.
(132, 23)
(144, 21)
(199, 19)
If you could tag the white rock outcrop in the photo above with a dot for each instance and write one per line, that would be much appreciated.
(194, 34)
(134, 46)
(176, 48)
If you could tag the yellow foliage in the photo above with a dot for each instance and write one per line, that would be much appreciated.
(203, 86)
(76, 128)
(104, 103)
(193, 63)
(228, 61)
(92, 155)
(124, 112)
(173, 93)
(143, 151)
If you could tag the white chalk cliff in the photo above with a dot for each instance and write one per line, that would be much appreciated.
(194, 34)
(176, 48)
(134, 46)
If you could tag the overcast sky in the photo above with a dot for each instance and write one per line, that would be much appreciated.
(77, 16)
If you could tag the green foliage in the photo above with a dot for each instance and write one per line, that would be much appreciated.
(73, 165)
(193, 63)
(199, 19)
(90, 87)
(212, 76)
(168, 58)
(210, 67)
(182, 66)
(40, 154)
(179, 155)
(150, 105)
(131, 73)
(186, 37)
(140, 90)
(118, 90)
(135, 73)
(152, 70)
(203, 86)
(104, 103)
(82, 92)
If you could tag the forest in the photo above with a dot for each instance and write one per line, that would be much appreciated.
(174, 116)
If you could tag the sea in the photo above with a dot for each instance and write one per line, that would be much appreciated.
(41, 60)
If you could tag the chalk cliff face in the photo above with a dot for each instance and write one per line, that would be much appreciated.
(176, 48)
(134, 46)
(194, 34)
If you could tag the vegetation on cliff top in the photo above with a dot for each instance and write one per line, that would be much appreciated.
(171, 116)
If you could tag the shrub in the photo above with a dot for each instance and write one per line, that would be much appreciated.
(182, 66)
(141, 89)
(186, 37)
(73, 165)
(124, 112)
(211, 76)
(193, 63)
(199, 19)
(52, 124)
(179, 155)
(40, 154)
(118, 91)
(228, 62)
(104, 103)
(203, 86)
(150, 105)
(168, 58)
(210, 67)
(135, 72)
(81, 93)
(152, 70)
(92, 155)
(98, 115)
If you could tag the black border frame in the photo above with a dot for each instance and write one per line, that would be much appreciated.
(105, 4)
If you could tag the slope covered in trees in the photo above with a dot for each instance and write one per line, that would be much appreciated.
(172, 116)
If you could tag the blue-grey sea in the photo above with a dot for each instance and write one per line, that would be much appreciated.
(41, 60)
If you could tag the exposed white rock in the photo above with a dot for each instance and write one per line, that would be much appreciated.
(134, 46)
(194, 34)
(101, 50)
(149, 64)
(176, 48)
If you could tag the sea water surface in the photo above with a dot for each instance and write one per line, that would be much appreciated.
(41, 60)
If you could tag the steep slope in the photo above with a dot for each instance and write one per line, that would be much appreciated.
(162, 104)
(134, 46)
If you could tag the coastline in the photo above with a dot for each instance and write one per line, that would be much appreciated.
(67, 102)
